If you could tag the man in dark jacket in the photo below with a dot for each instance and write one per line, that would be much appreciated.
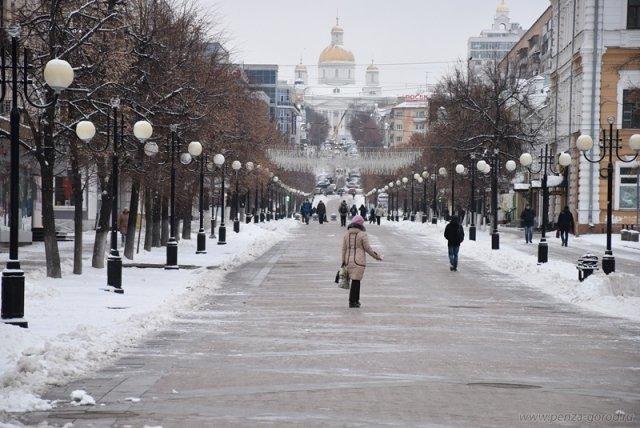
(306, 210)
(354, 211)
(363, 211)
(321, 210)
(527, 217)
(565, 225)
(343, 210)
(454, 234)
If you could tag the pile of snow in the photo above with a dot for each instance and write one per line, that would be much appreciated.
(617, 294)
(75, 326)
(79, 397)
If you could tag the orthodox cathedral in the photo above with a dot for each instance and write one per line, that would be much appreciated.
(336, 94)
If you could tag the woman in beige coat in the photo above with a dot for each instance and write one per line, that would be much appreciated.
(355, 246)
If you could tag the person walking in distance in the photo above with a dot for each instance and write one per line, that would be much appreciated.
(454, 234)
(321, 210)
(343, 210)
(123, 223)
(305, 210)
(565, 225)
(363, 211)
(353, 211)
(355, 247)
(527, 217)
(372, 215)
(379, 213)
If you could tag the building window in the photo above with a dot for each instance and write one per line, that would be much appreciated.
(398, 139)
(336, 72)
(63, 191)
(399, 127)
(633, 14)
(628, 197)
(631, 108)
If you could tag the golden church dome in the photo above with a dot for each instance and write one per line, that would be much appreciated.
(300, 67)
(502, 7)
(372, 67)
(335, 53)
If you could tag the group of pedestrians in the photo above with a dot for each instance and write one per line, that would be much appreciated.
(307, 210)
(564, 225)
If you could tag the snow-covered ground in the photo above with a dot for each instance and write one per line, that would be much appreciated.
(75, 326)
(617, 294)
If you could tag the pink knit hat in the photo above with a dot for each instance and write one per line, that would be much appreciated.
(357, 220)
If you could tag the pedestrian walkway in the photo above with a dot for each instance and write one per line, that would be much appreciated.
(277, 345)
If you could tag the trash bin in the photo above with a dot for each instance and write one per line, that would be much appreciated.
(586, 265)
(334, 217)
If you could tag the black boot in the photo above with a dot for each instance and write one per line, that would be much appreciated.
(354, 294)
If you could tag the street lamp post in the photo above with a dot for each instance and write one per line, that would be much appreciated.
(218, 160)
(86, 130)
(443, 173)
(495, 170)
(195, 150)
(249, 166)
(257, 208)
(414, 178)
(425, 175)
(390, 215)
(434, 207)
(405, 180)
(236, 165)
(172, 243)
(608, 145)
(545, 166)
(472, 197)
(58, 75)
(398, 184)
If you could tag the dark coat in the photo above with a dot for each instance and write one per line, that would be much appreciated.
(454, 234)
(363, 211)
(565, 221)
(306, 208)
(354, 211)
(321, 209)
(344, 209)
(527, 217)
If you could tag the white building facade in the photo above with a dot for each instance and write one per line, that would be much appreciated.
(493, 44)
(337, 95)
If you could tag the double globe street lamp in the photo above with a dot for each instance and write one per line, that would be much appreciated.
(218, 161)
(58, 75)
(194, 149)
(546, 164)
(236, 166)
(608, 145)
(86, 130)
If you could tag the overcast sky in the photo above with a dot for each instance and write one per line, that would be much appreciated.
(432, 33)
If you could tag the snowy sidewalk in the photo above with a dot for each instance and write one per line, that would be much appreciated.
(75, 326)
(617, 294)
(277, 345)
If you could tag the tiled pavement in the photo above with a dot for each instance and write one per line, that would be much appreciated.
(278, 346)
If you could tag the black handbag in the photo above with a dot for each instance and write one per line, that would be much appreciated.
(337, 277)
